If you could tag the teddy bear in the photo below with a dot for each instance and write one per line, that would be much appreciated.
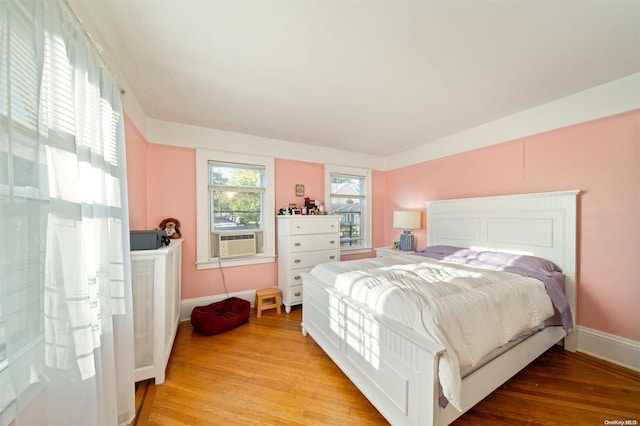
(172, 227)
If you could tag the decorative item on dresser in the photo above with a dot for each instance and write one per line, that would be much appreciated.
(157, 280)
(304, 242)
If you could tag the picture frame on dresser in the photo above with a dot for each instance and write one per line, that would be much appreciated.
(304, 242)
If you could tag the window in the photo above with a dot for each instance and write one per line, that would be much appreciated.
(236, 194)
(21, 173)
(349, 193)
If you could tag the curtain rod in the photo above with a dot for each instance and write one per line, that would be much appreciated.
(97, 46)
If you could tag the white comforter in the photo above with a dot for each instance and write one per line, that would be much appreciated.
(470, 311)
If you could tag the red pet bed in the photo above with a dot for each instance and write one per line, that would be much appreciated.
(220, 316)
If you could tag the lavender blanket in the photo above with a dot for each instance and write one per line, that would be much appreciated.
(528, 266)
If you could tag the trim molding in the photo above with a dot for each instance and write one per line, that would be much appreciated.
(615, 349)
(187, 305)
(608, 99)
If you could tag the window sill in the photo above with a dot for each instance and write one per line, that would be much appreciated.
(238, 261)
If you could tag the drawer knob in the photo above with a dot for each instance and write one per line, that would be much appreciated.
(297, 244)
(297, 294)
(297, 277)
(332, 242)
(332, 257)
(297, 261)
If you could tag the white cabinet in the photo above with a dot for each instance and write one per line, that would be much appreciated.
(304, 242)
(156, 281)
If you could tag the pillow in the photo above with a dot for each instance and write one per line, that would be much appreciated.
(446, 251)
(523, 261)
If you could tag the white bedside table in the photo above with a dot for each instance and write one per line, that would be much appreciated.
(389, 251)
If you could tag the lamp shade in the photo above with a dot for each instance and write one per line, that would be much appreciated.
(406, 219)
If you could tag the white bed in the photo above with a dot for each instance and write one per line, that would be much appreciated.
(395, 367)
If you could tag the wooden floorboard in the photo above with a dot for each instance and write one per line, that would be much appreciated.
(265, 372)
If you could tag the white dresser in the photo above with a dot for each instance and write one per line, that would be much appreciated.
(304, 242)
(156, 280)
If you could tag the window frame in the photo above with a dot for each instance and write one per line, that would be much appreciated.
(366, 226)
(203, 213)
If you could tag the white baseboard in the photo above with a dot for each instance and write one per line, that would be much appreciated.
(187, 305)
(618, 350)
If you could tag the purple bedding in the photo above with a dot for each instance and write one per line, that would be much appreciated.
(529, 266)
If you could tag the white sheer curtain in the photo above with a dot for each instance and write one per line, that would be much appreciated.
(66, 324)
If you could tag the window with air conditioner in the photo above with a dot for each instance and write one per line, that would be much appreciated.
(236, 198)
(233, 244)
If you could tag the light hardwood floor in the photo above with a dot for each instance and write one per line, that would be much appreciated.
(266, 373)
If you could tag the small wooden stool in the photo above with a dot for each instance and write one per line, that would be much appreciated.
(266, 294)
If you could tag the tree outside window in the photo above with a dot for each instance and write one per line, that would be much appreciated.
(236, 196)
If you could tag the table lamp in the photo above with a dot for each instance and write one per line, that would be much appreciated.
(407, 220)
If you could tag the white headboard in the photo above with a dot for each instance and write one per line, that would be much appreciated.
(539, 224)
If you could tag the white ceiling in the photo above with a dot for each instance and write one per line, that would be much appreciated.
(375, 77)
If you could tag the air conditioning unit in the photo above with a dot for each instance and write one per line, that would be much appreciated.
(236, 244)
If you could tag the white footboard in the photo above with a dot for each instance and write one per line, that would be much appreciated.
(396, 371)
(395, 368)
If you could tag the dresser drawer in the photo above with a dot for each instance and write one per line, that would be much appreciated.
(303, 243)
(312, 258)
(316, 226)
(298, 243)
(295, 294)
(294, 278)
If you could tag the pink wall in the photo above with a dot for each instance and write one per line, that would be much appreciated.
(289, 173)
(136, 175)
(171, 192)
(381, 213)
(601, 158)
